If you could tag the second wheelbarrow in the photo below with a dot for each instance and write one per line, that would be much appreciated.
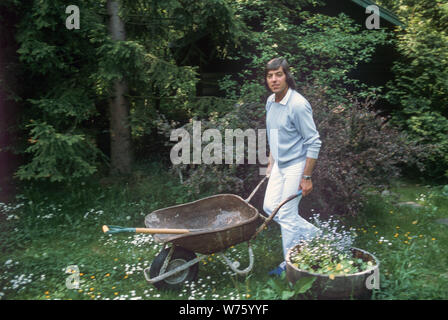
(197, 229)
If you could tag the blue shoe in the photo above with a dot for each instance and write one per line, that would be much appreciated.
(279, 270)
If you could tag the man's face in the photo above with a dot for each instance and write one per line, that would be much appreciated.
(276, 80)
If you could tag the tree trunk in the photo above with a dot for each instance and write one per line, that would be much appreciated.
(8, 108)
(120, 132)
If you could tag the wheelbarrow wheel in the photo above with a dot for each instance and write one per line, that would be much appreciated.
(179, 257)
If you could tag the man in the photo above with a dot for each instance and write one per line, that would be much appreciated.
(294, 147)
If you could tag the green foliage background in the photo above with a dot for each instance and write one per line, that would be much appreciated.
(420, 87)
(67, 75)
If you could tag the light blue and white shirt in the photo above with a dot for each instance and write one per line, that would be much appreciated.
(291, 130)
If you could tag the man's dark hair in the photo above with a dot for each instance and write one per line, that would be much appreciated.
(276, 63)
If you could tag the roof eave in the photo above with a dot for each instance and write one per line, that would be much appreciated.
(384, 13)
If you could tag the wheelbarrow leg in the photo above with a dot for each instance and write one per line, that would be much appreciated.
(235, 265)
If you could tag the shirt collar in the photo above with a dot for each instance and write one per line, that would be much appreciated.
(285, 99)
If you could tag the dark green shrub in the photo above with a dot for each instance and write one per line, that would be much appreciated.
(359, 150)
(420, 87)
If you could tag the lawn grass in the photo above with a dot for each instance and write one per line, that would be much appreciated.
(49, 229)
(411, 245)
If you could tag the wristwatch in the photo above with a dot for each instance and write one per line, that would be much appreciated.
(306, 177)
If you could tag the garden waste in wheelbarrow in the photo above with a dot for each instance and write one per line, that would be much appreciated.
(196, 229)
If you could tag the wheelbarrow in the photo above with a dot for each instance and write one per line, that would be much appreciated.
(197, 229)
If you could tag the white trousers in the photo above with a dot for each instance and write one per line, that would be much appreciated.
(284, 182)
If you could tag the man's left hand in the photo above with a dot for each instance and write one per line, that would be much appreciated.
(306, 186)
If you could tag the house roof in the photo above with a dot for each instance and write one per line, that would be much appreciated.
(384, 13)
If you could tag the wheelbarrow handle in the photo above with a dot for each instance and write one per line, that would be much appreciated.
(118, 229)
(269, 219)
(256, 189)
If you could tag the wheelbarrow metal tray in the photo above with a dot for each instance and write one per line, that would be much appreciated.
(223, 220)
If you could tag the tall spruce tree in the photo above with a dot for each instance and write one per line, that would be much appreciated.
(74, 80)
(120, 131)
